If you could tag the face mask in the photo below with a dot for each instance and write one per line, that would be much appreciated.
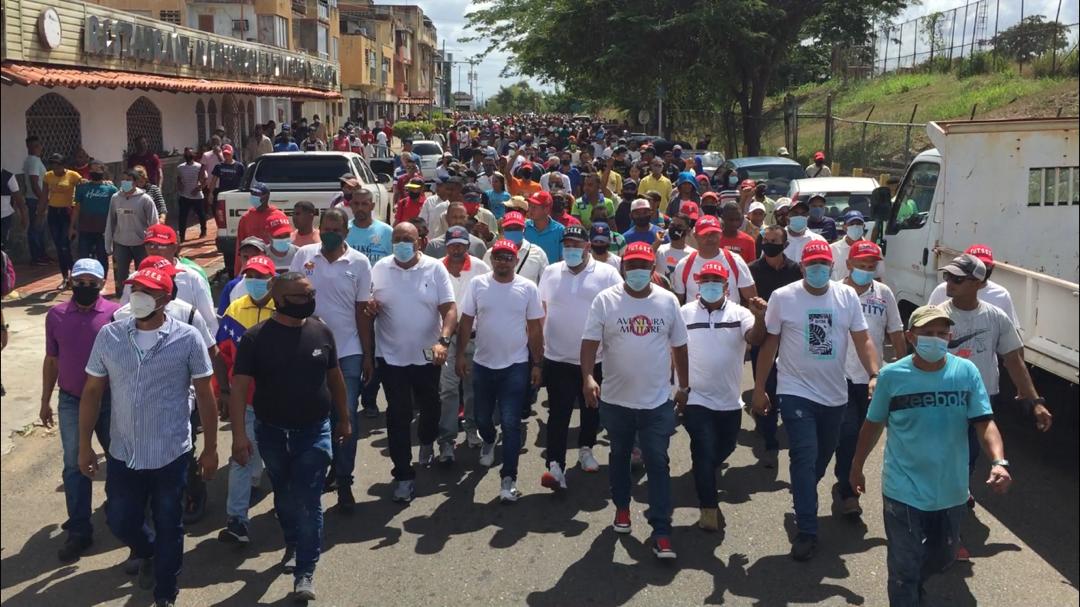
(514, 236)
(797, 223)
(97, 176)
(861, 277)
(573, 256)
(127, 185)
(331, 241)
(256, 287)
(677, 233)
(404, 251)
(771, 249)
(711, 292)
(255, 201)
(414, 194)
(817, 212)
(638, 279)
(599, 249)
(931, 349)
(281, 245)
(295, 310)
(143, 305)
(471, 208)
(711, 210)
(732, 181)
(641, 222)
(855, 232)
(817, 275)
(346, 195)
(85, 295)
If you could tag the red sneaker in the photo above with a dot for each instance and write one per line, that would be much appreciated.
(622, 521)
(662, 548)
(962, 553)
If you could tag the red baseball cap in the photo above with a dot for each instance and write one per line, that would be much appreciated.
(504, 245)
(816, 250)
(160, 233)
(278, 225)
(226, 149)
(747, 183)
(513, 218)
(261, 264)
(864, 249)
(819, 155)
(541, 198)
(707, 224)
(712, 268)
(983, 253)
(152, 278)
(157, 262)
(526, 165)
(690, 209)
(639, 250)
(710, 196)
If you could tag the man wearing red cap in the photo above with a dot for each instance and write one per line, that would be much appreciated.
(148, 363)
(992, 293)
(253, 221)
(809, 323)
(717, 334)
(190, 286)
(531, 259)
(818, 168)
(521, 183)
(708, 233)
(641, 330)
(541, 229)
(226, 175)
(508, 317)
(882, 319)
(281, 249)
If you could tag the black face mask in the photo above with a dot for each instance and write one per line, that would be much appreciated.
(85, 295)
(711, 210)
(599, 249)
(298, 311)
(771, 249)
(97, 176)
(346, 195)
(677, 233)
(641, 222)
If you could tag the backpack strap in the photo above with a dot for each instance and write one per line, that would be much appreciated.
(689, 266)
(731, 264)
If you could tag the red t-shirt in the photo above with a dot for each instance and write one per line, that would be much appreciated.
(406, 208)
(148, 161)
(252, 223)
(741, 244)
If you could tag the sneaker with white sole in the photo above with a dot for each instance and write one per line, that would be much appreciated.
(404, 492)
(446, 453)
(622, 521)
(554, 478)
(661, 547)
(509, 492)
(487, 455)
(304, 588)
(587, 460)
(472, 438)
(427, 455)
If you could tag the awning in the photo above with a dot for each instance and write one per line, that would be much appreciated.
(71, 77)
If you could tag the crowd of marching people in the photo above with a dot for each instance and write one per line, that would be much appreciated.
(631, 285)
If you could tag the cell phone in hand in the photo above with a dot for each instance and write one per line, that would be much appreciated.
(429, 354)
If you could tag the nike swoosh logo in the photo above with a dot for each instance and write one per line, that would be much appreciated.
(956, 343)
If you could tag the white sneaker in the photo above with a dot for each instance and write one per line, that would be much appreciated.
(472, 438)
(427, 455)
(404, 492)
(487, 455)
(587, 461)
(509, 492)
(554, 477)
(446, 453)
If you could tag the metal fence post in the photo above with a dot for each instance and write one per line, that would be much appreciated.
(907, 135)
(828, 126)
(862, 143)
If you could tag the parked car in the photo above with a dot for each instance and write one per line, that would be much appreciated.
(430, 152)
(710, 161)
(776, 171)
(841, 194)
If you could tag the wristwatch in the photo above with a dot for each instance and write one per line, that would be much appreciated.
(683, 389)
(1004, 463)
(444, 341)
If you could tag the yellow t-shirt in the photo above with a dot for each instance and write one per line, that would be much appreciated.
(62, 188)
(662, 186)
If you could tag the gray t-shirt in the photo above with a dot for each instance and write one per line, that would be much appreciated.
(33, 166)
(981, 335)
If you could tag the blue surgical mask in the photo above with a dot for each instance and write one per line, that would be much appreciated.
(281, 245)
(817, 212)
(127, 185)
(573, 256)
(797, 223)
(638, 279)
(732, 181)
(861, 277)
(711, 292)
(514, 236)
(404, 251)
(856, 231)
(254, 200)
(817, 275)
(931, 349)
(256, 287)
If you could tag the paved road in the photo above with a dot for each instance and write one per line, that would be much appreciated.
(456, 545)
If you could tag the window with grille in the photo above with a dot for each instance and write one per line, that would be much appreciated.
(1050, 186)
(169, 17)
(56, 122)
(144, 120)
(211, 117)
(241, 124)
(200, 122)
(229, 117)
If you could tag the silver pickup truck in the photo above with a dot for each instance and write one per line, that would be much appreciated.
(296, 176)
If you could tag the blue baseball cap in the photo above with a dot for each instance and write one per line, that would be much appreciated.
(600, 231)
(88, 266)
(853, 216)
(259, 188)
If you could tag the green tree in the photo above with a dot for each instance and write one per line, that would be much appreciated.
(518, 97)
(1032, 37)
(933, 30)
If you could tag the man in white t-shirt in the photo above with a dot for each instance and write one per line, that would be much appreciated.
(992, 293)
(671, 253)
(567, 289)
(708, 231)
(641, 330)
(798, 216)
(882, 319)
(509, 355)
(531, 259)
(414, 315)
(854, 231)
(11, 200)
(809, 323)
(717, 332)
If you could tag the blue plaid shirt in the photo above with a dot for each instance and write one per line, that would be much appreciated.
(151, 409)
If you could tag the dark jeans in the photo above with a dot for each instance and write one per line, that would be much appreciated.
(129, 491)
(92, 244)
(77, 488)
(35, 231)
(564, 392)
(506, 388)
(920, 544)
(5, 228)
(185, 205)
(653, 428)
(813, 430)
(59, 230)
(712, 440)
(369, 392)
(123, 258)
(766, 425)
(854, 415)
(296, 461)
(344, 455)
(406, 387)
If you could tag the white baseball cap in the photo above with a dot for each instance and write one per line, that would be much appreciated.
(756, 206)
(640, 203)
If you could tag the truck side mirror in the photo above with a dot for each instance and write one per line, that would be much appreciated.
(384, 178)
(880, 203)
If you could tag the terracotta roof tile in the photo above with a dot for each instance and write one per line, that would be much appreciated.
(73, 77)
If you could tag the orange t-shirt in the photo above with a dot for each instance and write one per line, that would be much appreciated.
(520, 187)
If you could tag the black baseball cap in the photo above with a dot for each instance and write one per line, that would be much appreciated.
(575, 232)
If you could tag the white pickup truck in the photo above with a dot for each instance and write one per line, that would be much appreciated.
(296, 176)
(1010, 184)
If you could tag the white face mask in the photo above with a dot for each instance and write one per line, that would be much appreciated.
(142, 304)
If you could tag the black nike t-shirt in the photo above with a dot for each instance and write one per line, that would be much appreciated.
(289, 366)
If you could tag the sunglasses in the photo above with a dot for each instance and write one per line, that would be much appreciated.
(954, 279)
(503, 258)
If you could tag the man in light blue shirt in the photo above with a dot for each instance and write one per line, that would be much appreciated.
(541, 229)
(367, 234)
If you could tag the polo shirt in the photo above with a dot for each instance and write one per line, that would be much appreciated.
(661, 186)
(567, 298)
(768, 279)
(501, 310)
(409, 298)
(339, 286)
(473, 266)
(549, 239)
(716, 347)
(69, 336)
(582, 209)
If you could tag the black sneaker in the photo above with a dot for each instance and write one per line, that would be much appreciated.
(74, 547)
(370, 412)
(194, 508)
(345, 499)
(802, 549)
(132, 564)
(146, 574)
(235, 532)
(288, 561)
(164, 603)
(304, 588)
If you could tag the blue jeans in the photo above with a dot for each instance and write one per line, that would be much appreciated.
(854, 415)
(653, 428)
(766, 425)
(35, 231)
(243, 478)
(712, 440)
(129, 491)
(345, 454)
(296, 461)
(92, 244)
(77, 488)
(813, 430)
(59, 220)
(506, 388)
(920, 544)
